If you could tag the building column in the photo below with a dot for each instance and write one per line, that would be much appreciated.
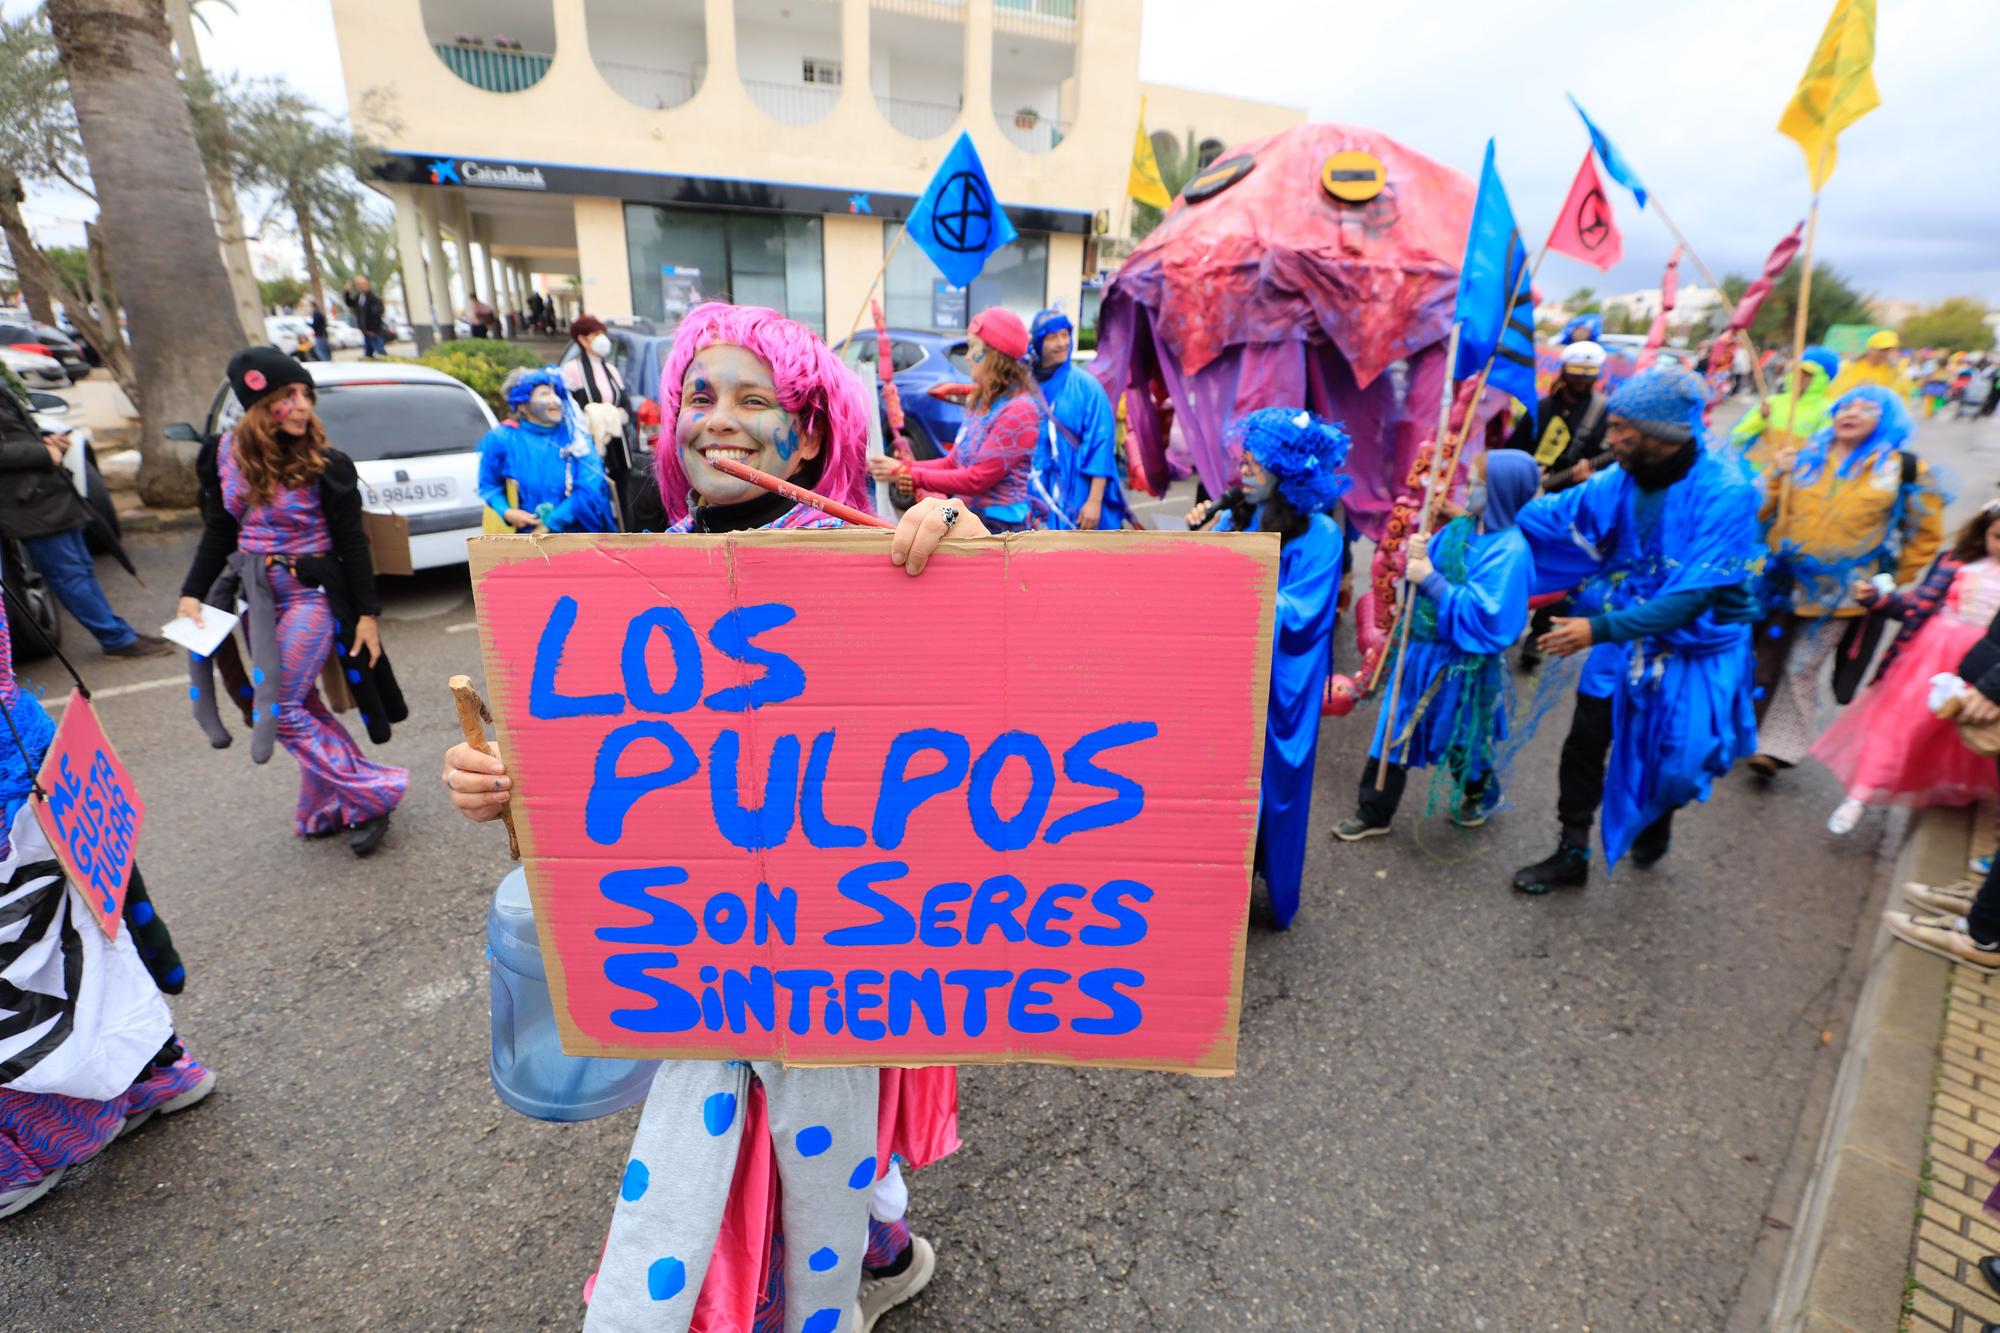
(856, 74)
(461, 230)
(410, 255)
(979, 69)
(1065, 275)
(718, 19)
(492, 288)
(601, 257)
(428, 202)
(853, 252)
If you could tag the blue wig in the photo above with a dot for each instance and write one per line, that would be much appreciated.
(1825, 358)
(1893, 429)
(1584, 328)
(1303, 451)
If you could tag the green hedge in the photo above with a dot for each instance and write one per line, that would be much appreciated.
(482, 364)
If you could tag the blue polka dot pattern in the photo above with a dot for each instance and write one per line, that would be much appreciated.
(141, 913)
(718, 1113)
(864, 1175)
(256, 675)
(814, 1140)
(822, 1259)
(821, 1321)
(633, 1186)
(353, 676)
(666, 1278)
(176, 975)
(194, 691)
(1776, 631)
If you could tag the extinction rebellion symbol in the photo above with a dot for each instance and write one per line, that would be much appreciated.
(962, 222)
(1593, 220)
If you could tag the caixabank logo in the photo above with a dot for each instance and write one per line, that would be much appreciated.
(499, 175)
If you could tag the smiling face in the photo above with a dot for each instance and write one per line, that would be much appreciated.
(291, 411)
(1855, 421)
(729, 409)
(1055, 349)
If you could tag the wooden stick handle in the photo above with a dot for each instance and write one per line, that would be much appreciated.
(472, 722)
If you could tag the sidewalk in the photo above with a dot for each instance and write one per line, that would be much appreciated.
(1893, 1223)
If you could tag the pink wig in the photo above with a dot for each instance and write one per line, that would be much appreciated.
(828, 399)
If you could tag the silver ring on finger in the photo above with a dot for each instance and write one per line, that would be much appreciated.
(948, 515)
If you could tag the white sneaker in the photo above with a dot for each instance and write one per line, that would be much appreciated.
(14, 1200)
(879, 1295)
(1845, 816)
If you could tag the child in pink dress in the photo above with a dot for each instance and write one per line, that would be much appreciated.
(1888, 748)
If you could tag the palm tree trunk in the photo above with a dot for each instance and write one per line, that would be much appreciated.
(235, 244)
(154, 214)
(302, 215)
(33, 294)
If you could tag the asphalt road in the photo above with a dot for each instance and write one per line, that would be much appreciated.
(1456, 1108)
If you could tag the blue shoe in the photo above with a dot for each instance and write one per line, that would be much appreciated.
(1982, 865)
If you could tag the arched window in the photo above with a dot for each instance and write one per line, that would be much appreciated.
(502, 46)
(1035, 70)
(916, 64)
(654, 53)
(788, 56)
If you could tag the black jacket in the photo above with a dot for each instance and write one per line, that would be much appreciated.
(1980, 667)
(36, 497)
(367, 310)
(1585, 427)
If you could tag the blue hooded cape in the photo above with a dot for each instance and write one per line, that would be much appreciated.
(1451, 697)
(557, 466)
(1680, 702)
(1065, 466)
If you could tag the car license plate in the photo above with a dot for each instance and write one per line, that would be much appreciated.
(425, 492)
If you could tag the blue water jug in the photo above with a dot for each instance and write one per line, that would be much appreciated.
(530, 1071)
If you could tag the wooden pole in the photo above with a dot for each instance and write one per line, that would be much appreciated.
(887, 255)
(472, 716)
(1796, 373)
(1438, 450)
(1708, 276)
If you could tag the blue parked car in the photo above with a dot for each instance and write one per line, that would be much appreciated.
(923, 359)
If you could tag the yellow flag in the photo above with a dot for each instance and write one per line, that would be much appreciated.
(1838, 88)
(1144, 183)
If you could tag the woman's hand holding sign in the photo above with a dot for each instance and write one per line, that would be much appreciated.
(924, 525)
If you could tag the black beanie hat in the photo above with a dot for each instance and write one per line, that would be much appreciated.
(257, 371)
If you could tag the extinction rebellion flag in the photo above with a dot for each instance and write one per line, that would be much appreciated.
(1585, 229)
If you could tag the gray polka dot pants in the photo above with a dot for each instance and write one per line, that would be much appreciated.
(676, 1183)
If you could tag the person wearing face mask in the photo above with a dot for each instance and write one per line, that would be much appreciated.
(989, 464)
(1472, 582)
(1291, 479)
(281, 510)
(1076, 474)
(600, 394)
(1851, 503)
(546, 455)
(1661, 550)
(722, 1139)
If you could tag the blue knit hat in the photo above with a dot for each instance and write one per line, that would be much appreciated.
(1665, 402)
(1304, 452)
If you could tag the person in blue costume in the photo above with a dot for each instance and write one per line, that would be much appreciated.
(1075, 483)
(547, 452)
(1663, 551)
(1472, 582)
(1291, 478)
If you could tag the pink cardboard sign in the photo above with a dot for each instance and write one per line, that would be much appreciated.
(93, 813)
(779, 800)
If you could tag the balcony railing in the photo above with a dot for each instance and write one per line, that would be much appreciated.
(949, 11)
(919, 120)
(650, 85)
(496, 69)
(1037, 136)
(792, 103)
(1040, 18)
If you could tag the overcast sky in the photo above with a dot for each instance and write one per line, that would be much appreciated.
(1690, 90)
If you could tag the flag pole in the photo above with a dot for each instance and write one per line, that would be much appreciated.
(1796, 373)
(887, 255)
(1423, 522)
(1708, 276)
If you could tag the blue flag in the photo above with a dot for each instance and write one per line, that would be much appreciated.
(1614, 161)
(1496, 305)
(958, 223)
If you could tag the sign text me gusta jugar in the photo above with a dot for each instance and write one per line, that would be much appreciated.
(1003, 787)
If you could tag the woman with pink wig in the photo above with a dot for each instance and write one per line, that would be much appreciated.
(760, 1197)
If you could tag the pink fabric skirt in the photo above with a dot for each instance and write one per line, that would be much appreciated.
(1889, 749)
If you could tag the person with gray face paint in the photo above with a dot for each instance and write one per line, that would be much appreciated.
(546, 454)
(1472, 580)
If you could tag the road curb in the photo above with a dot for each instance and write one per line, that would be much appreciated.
(1850, 1247)
(141, 519)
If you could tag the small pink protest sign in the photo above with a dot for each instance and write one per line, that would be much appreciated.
(779, 800)
(92, 814)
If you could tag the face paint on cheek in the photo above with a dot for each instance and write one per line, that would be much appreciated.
(781, 428)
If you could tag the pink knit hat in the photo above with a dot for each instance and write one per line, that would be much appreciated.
(1002, 330)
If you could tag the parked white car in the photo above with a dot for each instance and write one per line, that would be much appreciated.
(284, 331)
(35, 369)
(342, 334)
(413, 433)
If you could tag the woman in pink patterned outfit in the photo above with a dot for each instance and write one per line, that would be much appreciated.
(274, 490)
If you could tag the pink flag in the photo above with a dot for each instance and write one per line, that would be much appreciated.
(1754, 294)
(1670, 291)
(1585, 228)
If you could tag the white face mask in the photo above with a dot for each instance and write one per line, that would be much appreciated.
(600, 346)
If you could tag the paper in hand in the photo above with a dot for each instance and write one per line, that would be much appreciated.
(205, 638)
